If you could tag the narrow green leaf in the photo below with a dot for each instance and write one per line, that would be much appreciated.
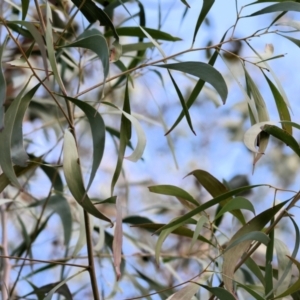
(295, 41)
(185, 293)
(2, 86)
(251, 236)
(283, 136)
(236, 203)
(74, 178)
(137, 32)
(63, 290)
(6, 137)
(215, 188)
(182, 231)
(135, 220)
(93, 40)
(197, 89)
(61, 285)
(295, 286)
(125, 136)
(258, 99)
(50, 49)
(60, 205)
(285, 6)
(206, 6)
(283, 263)
(53, 175)
(182, 102)
(200, 223)
(254, 268)
(136, 47)
(173, 191)
(19, 250)
(232, 256)
(98, 134)
(4, 180)
(296, 125)
(220, 293)
(185, 3)
(250, 291)
(25, 6)
(36, 35)
(93, 13)
(209, 204)
(282, 108)
(18, 153)
(284, 278)
(204, 71)
(162, 237)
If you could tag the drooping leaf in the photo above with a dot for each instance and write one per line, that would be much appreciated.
(282, 108)
(255, 269)
(93, 40)
(284, 6)
(283, 136)
(232, 256)
(295, 286)
(61, 285)
(200, 223)
(60, 205)
(98, 134)
(182, 102)
(251, 291)
(197, 89)
(215, 188)
(137, 32)
(94, 13)
(36, 35)
(74, 178)
(206, 6)
(136, 47)
(4, 180)
(185, 293)
(18, 153)
(220, 293)
(209, 204)
(125, 136)
(295, 41)
(258, 99)
(118, 238)
(250, 236)
(252, 133)
(182, 231)
(173, 191)
(7, 135)
(283, 263)
(2, 86)
(63, 290)
(50, 49)
(234, 204)
(53, 175)
(204, 71)
(25, 6)
(162, 237)
(23, 246)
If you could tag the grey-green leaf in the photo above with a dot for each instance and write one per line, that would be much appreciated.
(74, 177)
(278, 7)
(94, 41)
(98, 134)
(2, 86)
(6, 138)
(204, 71)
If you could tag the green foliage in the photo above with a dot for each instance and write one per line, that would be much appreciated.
(58, 51)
